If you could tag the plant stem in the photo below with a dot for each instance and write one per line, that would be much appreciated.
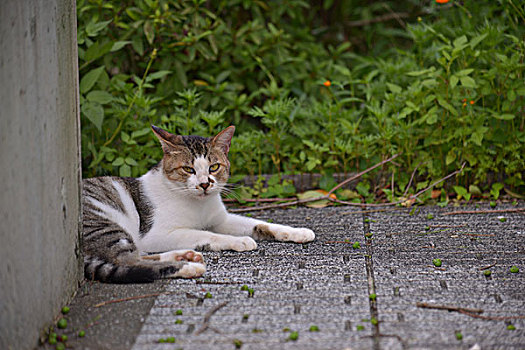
(139, 90)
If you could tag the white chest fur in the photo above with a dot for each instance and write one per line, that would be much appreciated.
(173, 210)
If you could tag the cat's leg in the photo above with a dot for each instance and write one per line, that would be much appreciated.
(196, 240)
(176, 255)
(243, 226)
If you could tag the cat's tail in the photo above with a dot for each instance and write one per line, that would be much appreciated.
(139, 272)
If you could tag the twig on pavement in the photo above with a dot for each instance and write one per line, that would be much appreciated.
(448, 308)
(209, 314)
(129, 298)
(513, 210)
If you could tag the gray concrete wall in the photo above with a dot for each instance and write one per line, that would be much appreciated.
(39, 172)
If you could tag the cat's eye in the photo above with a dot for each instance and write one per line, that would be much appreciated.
(213, 168)
(188, 169)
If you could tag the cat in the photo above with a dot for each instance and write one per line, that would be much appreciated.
(141, 229)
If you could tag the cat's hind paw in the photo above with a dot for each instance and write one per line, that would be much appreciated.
(177, 255)
(190, 270)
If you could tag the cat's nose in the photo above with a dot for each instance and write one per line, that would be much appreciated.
(204, 185)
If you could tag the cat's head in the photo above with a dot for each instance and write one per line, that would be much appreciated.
(198, 166)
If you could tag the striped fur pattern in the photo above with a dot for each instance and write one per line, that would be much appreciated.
(147, 228)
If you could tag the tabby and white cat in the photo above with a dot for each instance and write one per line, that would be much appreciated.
(142, 229)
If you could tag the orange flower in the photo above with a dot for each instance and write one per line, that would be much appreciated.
(471, 102)
(464, 100)
(327, 83)
(442, 1)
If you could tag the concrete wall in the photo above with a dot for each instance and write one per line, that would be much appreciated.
(39, 166)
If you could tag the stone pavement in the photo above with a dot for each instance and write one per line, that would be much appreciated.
(362, 298)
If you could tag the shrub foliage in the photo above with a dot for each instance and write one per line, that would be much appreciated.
(321, 86)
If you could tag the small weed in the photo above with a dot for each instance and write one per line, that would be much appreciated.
(372, 296)
(514, 269)
(294, 336)
(237, 343)
(65, 310)
(356, 245)
(179, 322)
(360, 327)
(82, 334)
(459, 336)
(208, 295)
(374, 321)
(437, 262)
(62, 323)
(487, 273)
(178, 312)
(314, 329)
(430, 216)
(511, 327)
(502, 219)
(244, 287)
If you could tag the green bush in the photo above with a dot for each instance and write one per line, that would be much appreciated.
(443, 88)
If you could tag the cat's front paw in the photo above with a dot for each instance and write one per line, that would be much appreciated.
(284, 233)
(302, 235)
(242, 244)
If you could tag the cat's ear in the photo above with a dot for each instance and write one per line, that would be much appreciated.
(167, 140)
(223, 139)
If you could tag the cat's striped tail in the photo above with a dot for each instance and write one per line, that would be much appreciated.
(139, 272)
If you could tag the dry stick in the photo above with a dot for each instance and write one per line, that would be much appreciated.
(209, 314)
(492, 318)
(411, 178)
(402, 200)
(487, 267)
(370, 211)
(129, 298)
(484, 211)
(327, 196)
(448, 307)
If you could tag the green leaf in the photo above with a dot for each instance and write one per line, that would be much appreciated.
(118, 162)
(99, 96)
(451, 156)
(464, 72)
(421, 72)
(141, 132)
(475, 41)
(468, 82)
(138, 45)
(131, 161)
(394, 88)
(97, 50)
(92, 28)
(89, 79)
(460, 42)
(117, 45)
(149, 32)
(461, 191)
(158, 75)
(447, 106)
(94, 112)
(453, 81)
(506, 116)
(312, 195)
(125, 171)
(181, 73)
